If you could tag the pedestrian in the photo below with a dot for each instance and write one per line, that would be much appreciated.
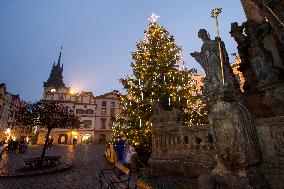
(132, 159)
(22, 146)
(10, 145)
(15, 145)
(120, 144)
(51, 141)
(48, 143)
(74, 141)
(1, 149)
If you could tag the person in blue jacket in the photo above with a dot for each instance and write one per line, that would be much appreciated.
(120, 144)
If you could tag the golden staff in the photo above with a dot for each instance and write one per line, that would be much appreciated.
(214, 14)
(271, 11)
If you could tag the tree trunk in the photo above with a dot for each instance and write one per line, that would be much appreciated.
(45, 143)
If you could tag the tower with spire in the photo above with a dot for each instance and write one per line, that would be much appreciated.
(55, 79)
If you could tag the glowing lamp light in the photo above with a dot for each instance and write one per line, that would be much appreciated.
(53, 90)
(73, 91)
(8, 131)
(74, 133)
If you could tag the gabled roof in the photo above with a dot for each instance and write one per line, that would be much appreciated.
(107, 95)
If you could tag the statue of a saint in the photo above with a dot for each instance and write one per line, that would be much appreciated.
(209, 59)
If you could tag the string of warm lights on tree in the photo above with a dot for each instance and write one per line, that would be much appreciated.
(158, 77)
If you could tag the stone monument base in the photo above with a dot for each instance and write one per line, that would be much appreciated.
(221, 179)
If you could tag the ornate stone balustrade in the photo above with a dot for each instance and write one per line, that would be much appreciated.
(182, 150)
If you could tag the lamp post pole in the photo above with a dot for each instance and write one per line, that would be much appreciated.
(214, 14)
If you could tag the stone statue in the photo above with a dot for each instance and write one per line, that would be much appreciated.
(161, 117)
(209, 59)
(257, 62)
(235, 139)
(243, 48)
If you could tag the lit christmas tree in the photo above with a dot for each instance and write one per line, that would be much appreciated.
(158, 77)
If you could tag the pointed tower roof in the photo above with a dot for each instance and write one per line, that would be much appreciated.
(56, 75)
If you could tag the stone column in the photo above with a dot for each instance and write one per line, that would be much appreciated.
(252, 11)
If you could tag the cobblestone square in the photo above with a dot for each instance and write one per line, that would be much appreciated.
(88, 159)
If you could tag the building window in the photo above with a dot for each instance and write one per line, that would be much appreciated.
(103, 123)
(79, 111)
(61, 97)
(90, 111)
(185, 140)
(112, 112)
(103, 111)
(104, 103)
(87, 123)
(113, 104)
(85, 106)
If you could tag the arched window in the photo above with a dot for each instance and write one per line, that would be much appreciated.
(210, 139)
(185, 140)
(198, 140)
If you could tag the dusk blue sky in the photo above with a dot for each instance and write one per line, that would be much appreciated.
(97, 38)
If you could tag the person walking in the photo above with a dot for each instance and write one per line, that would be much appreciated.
(48, 143)
(120, 144)
(10, 144)
(51, 141)
(15, 145)
(1, 149)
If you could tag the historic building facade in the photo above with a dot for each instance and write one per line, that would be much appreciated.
(238, 74)
(9, 105)
(107, 107)
(94, 112)
(198, 78)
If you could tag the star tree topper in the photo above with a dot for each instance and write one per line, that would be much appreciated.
(153, 18)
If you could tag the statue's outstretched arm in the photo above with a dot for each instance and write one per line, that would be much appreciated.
(199, 57)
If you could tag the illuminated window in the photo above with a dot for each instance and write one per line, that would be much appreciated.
(87, 138)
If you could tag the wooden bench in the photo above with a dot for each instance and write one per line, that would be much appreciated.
(42, 162)
(115, 178)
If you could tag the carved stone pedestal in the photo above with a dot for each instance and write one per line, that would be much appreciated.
(220, 179)
(236, 146)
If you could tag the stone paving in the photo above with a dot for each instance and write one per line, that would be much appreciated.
(88, 159)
